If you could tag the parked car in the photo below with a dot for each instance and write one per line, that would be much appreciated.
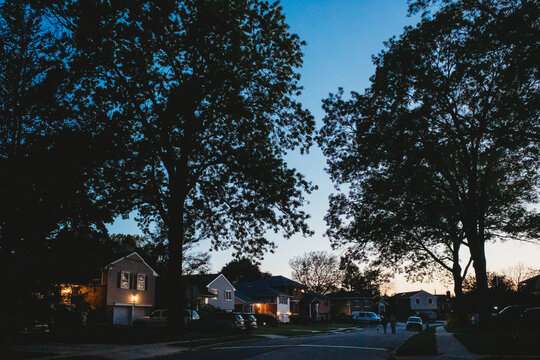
(266, 320)
(220, 321)
(510, 316)
(366, 317)
(159, 318)
(414, 323)
(250, 321)
(531, 318)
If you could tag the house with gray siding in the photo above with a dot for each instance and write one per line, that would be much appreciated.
(210, 289)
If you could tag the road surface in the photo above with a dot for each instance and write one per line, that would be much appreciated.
(362, 343)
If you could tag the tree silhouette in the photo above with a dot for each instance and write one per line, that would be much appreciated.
(202, 95)
(452, 109)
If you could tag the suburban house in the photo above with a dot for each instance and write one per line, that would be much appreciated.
(316, 306)
(419, 303)
(530, 285)
(129, 289)
(275, 295)
(210, 289)
(380, 305)
(345, 302)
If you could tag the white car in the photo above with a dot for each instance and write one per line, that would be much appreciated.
(414, 323)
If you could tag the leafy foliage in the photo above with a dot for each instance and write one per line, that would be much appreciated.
(243, 270)
(444, 140)
(202, 94)
(318, 270)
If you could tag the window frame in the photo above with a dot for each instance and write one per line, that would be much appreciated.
(228, 295)
(139, 277)
(124, 279)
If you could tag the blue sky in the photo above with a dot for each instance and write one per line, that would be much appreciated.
(341, 37)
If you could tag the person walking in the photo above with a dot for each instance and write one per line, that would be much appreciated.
(384, 322)
(393, 323)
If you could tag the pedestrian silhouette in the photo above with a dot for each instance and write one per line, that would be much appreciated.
(384, 322)
(393, 323)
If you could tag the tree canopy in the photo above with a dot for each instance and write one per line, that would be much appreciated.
(202, 94)
(318, 270)
(452, 117)
(242, 270)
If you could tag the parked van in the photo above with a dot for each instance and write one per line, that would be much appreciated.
(367, 317)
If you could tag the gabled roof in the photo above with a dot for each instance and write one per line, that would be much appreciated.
(342, 294)
(313, 297)
(409, 294)
(131, 256)
(242, 297)
(205, 280)
(280, 281)
(256, 289)
(531, 280)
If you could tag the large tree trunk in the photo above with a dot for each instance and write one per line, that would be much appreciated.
(175, 288)
(476, 246)
(458, 291)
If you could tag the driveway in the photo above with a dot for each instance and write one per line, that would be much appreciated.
(362, 343)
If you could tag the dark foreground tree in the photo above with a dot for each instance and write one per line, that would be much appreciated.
(454, 98)
(202, 94)
(50, 155)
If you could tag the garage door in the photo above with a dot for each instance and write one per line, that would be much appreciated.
(122, 315)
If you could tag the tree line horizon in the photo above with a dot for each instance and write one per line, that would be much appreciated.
(184, 111)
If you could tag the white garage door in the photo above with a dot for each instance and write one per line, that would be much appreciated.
(122, 315)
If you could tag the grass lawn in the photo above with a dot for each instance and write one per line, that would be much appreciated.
(118, 335)
(502, 342)
(299, 330)
(423, 343)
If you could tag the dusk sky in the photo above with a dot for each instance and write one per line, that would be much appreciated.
(341, 37)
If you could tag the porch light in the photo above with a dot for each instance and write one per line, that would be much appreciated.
(289, 313)
(134, 298)
(66, 291)
(277, 313)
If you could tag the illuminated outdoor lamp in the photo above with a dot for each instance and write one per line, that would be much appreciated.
(134, 298)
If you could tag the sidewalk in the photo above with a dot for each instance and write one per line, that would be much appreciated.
(448, 347)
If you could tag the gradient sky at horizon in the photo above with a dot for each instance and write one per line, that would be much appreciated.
(341, 37)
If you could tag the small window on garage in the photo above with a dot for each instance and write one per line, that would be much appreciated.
(356, 303)
(430, 301)
(228, 295)
(417, 301)
(366, 303)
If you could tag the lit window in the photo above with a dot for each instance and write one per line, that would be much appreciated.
(124, 280)
(228, 295)
(141, 282)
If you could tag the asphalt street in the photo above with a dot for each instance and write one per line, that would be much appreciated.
(362, 343)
